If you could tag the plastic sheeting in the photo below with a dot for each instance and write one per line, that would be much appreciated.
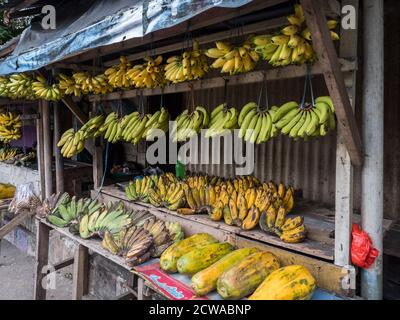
(83, 25)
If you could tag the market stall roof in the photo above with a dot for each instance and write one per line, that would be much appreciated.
(85, 25)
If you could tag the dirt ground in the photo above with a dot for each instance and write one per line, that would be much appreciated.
(17, 276)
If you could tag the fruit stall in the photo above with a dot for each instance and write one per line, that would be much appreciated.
(201, 230)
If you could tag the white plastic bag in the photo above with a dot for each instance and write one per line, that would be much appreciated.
(24, 198)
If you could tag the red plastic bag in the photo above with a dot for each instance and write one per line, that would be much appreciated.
(363, 254)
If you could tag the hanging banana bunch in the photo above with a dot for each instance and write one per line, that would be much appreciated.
(233, 60)
(191, 65)
(69, 86)
(71, 143)
(10, 127)
(4, 92)
(305, 121)
(116, 75)
(292, 44)
(256, 125)
(147, 75)
(91, 84)
(46, 91)
(19, 86)
(189, 124)
(223, 120)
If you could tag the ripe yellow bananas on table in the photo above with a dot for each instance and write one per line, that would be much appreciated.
(307, 121)
(46, 91)
(233, 60)
(147, 75)
(222, 121)
(256, 126)
(191, 65)
(10, 127)
(189, 124)
(293, 44)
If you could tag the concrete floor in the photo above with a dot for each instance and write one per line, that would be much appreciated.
(17, 276)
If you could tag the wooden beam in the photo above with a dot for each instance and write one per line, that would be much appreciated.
(80, 272)
(40, 151)
(77, 112)
(63, 264)
(344, 168)
(207, 18)
(15, 222)
(329, 63)
(41, 259)
(98, 165)
(218, 82)
(59, 161)
(262, 26)
(47, 148)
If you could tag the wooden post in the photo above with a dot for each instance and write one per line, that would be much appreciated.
(47, 148)
(40, 153)
(344, 167)
(59, 161)
(373, 128)
(327, 56)
(41, 260)
(98, 165)
(80, 272)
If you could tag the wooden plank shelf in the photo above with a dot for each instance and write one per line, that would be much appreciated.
(309, 247)
(219, 82)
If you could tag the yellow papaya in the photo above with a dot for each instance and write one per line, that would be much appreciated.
(244, 277)
(288, 283)
(199, 259)
(205, 281)
(170, 256)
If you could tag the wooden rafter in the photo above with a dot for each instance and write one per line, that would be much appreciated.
(329, 62)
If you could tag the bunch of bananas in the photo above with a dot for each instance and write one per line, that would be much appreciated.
(46, 91)
(71, 143)
(138, 190)
(167, 193)
(307, 121)
(116, 75)
(256, 126)
(68, 85)
(223, 120)
(88, 83)
(50, 204)
(8, 153)
(290, 230)
(133, 243)
(111, 218)
(147, 75)
(10, 126)
(91, 128)
(69, 210)
(293, 44)
(191, 65)
(113, 126)
(233, 60)
(189, 124)
(243, 207)
(17, 86)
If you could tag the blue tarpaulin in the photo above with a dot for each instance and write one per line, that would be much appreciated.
(84, 25)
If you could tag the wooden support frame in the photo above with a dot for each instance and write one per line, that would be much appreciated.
(59, 161)
(98, 165)
(47, 148)
(324, 47)
(80, 272)
(15, 222)
(41, 259)
(344, 167)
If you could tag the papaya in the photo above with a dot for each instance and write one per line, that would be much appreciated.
(245, 276)
(288, 283)
(205, 281)
(199, 259)
(170, 256)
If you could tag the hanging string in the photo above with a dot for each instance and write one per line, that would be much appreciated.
(264, 91)
(141, 103)
(226, 94)
(162, 98)
(308, 85)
